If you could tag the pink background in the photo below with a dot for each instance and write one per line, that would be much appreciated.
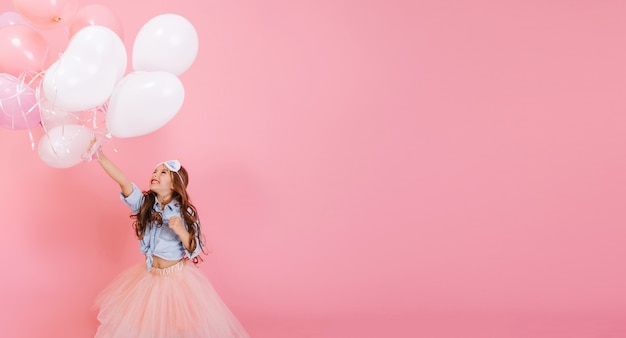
(431, 168)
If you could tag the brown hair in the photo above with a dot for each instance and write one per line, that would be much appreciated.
(146, 214)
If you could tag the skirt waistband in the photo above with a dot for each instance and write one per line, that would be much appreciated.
(169, 270)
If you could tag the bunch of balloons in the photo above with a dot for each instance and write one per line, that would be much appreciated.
(86, 92)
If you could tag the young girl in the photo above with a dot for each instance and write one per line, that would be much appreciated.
(167, 297)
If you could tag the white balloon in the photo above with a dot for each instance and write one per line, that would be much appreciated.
(143, 102)
(168, 43)
(64, 146)
(52, 117)
(86, 74)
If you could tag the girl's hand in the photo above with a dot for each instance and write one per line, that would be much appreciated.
(94, 150)
(176, 224)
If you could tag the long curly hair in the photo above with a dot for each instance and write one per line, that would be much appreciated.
(146, 216)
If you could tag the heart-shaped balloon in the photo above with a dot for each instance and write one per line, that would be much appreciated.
(86, 74)
(143, 102)
(168, 42)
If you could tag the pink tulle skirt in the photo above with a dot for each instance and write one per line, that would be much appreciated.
(176, 302)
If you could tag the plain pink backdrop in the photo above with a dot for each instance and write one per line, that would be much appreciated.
(430, 168)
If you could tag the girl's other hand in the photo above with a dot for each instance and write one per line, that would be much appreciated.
(175, 224)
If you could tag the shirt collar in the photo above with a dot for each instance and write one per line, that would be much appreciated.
(172, 205)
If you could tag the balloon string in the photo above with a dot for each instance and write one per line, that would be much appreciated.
(23, 85)
(100, 139)
(62, 146)
(20, 88)
(39, 98)
(44, 58)
(67, 30)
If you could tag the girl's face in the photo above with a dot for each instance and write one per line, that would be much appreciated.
(161, 181)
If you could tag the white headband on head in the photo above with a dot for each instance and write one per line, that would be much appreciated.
(172, 165)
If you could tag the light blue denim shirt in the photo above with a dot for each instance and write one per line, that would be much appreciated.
(159, 240)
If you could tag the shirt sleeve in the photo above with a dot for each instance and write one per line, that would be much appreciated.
(198, 249)
(196, 252)
(134, 200)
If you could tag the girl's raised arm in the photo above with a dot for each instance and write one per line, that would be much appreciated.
(116, 174)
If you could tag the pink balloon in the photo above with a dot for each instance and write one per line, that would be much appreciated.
(96, 15)
(18, 104)
(46, 13)
(11, 18)
(23, 49)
